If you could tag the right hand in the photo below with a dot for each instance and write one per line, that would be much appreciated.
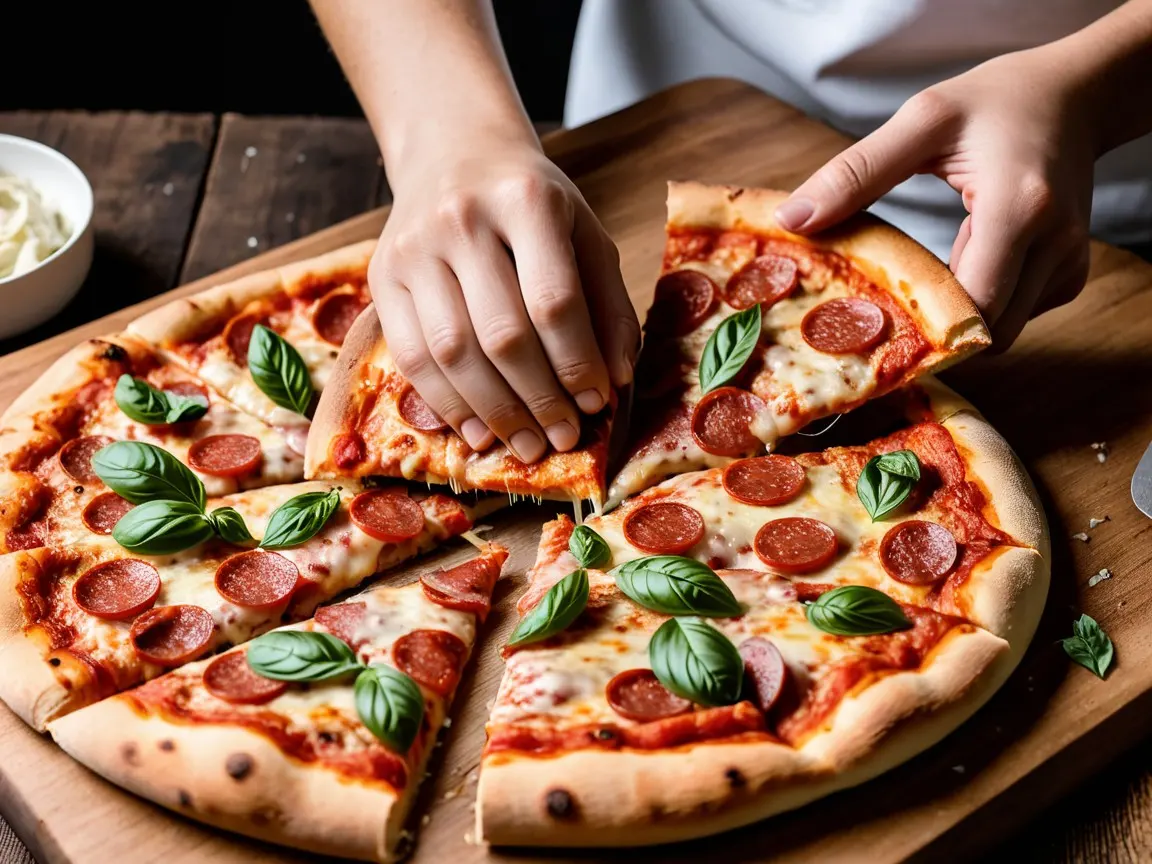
(500, 296)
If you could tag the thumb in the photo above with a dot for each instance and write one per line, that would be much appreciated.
(864, 172)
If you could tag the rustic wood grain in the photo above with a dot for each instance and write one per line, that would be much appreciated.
(146, 172)
(1077, 376)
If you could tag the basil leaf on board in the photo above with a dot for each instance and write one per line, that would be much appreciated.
(882, 491)
(279, 370)
(729, 347)
(903, 463)
(141, 472)
(1089, 646)
(696, 661)
(556, 610)
(300, 655)
(143, 403)
(390, 705)
(589, 548)
(300, 519)
(229, 524)
(162, 528)
(676, 585)
(856, 610)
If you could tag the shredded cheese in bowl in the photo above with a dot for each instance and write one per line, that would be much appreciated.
(30, 229)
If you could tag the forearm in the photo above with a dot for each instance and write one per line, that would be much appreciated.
(426, 72)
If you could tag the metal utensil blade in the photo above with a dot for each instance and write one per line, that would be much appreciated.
(1142, 483)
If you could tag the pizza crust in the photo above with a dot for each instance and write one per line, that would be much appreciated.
(353, 257)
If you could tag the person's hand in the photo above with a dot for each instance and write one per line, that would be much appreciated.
(500, 295)
(1014, 138)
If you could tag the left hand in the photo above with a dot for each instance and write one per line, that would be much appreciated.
(1014, 139)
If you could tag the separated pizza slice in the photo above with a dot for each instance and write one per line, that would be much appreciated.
(755, 332)
(176, 581)
(268, 341)
(117, 388)
(372, 422)
(314, 736)
(775, 629)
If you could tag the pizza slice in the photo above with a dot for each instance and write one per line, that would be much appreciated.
(111, 389)
(316, 735)
(372, 422)
(755, 332)
(268, 341)
(174, 581)
(775, 629)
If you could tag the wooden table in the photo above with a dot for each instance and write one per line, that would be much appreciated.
(181, 196)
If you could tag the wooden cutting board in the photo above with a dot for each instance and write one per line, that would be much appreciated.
(1079, 376)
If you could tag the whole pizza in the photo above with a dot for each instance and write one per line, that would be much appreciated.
(805, 561)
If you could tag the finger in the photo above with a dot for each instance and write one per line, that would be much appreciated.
(868, 169)
(1036, 274)
(452, 342)
(613, 315)
(554, 298)
(1067, 281)
(962, 237)
(506, 336)
(409, 351)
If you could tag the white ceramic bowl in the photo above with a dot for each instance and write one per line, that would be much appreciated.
(33, 297)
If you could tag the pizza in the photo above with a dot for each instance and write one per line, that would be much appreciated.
(372, 422)
(315, 735)
(755, 332)
(774, 629)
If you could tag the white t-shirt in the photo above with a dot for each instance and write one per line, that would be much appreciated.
(850, 63)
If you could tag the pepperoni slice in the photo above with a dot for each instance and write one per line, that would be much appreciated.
(76, 457)
(684, 298)
(796, 544)
(172, 635)
(237, 335)
(433, 658)
(722, 421)
(417, 413)
(104, 511)
(342, 620)
(468, 586)
(189, 390)
(335, 315)
(226, 455)
(766, 481)
(348, 450)
(387, 514)
(117, 589)
(765, 670)
(664, 528)
(917, 552)
(764, 280)
(846, 325)
(257, 579)
(637, 694)
(229, 677)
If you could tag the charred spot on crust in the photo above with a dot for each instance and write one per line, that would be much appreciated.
(53, 661)
(130, 753)
(327, 737)
(184, 799)
(239, 765)
(734, 194)
(560, 804)
(604, 733)
(167, 745)
(735, 779)
(79, 490)
(114, 353)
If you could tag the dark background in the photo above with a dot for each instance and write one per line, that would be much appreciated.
(250, 56)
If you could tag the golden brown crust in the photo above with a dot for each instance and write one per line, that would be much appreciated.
(353, 257)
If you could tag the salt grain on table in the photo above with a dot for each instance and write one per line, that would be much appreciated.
(253, 242)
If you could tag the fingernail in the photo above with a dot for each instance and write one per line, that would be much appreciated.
(527, 445)
(562, 435)
(590, 401)
(476, 433)
(794, 212)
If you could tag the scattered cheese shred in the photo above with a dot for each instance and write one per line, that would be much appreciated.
(1096, 579)
(1092, 523)
(1081, 536)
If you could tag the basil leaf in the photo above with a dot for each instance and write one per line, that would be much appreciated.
(589, 548)
(300, 655)
(162, 528)
(696, 661)
(143, 472)
(279, 370)
(390, 705)
(1089, 646)
(903, 463)
(145, 404)
(729, 347)
(882, 491)
(300, 519)
(556, 611)
(229, 524)
(856, 610)
(676, 586)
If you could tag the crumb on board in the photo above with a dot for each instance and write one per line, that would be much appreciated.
(1084, 538)
(425, 819)
(250, 151)
(1101, 448)
(168, 189)
(253, 242)
(959, 769)
(1097, 578)
(1094, 522)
